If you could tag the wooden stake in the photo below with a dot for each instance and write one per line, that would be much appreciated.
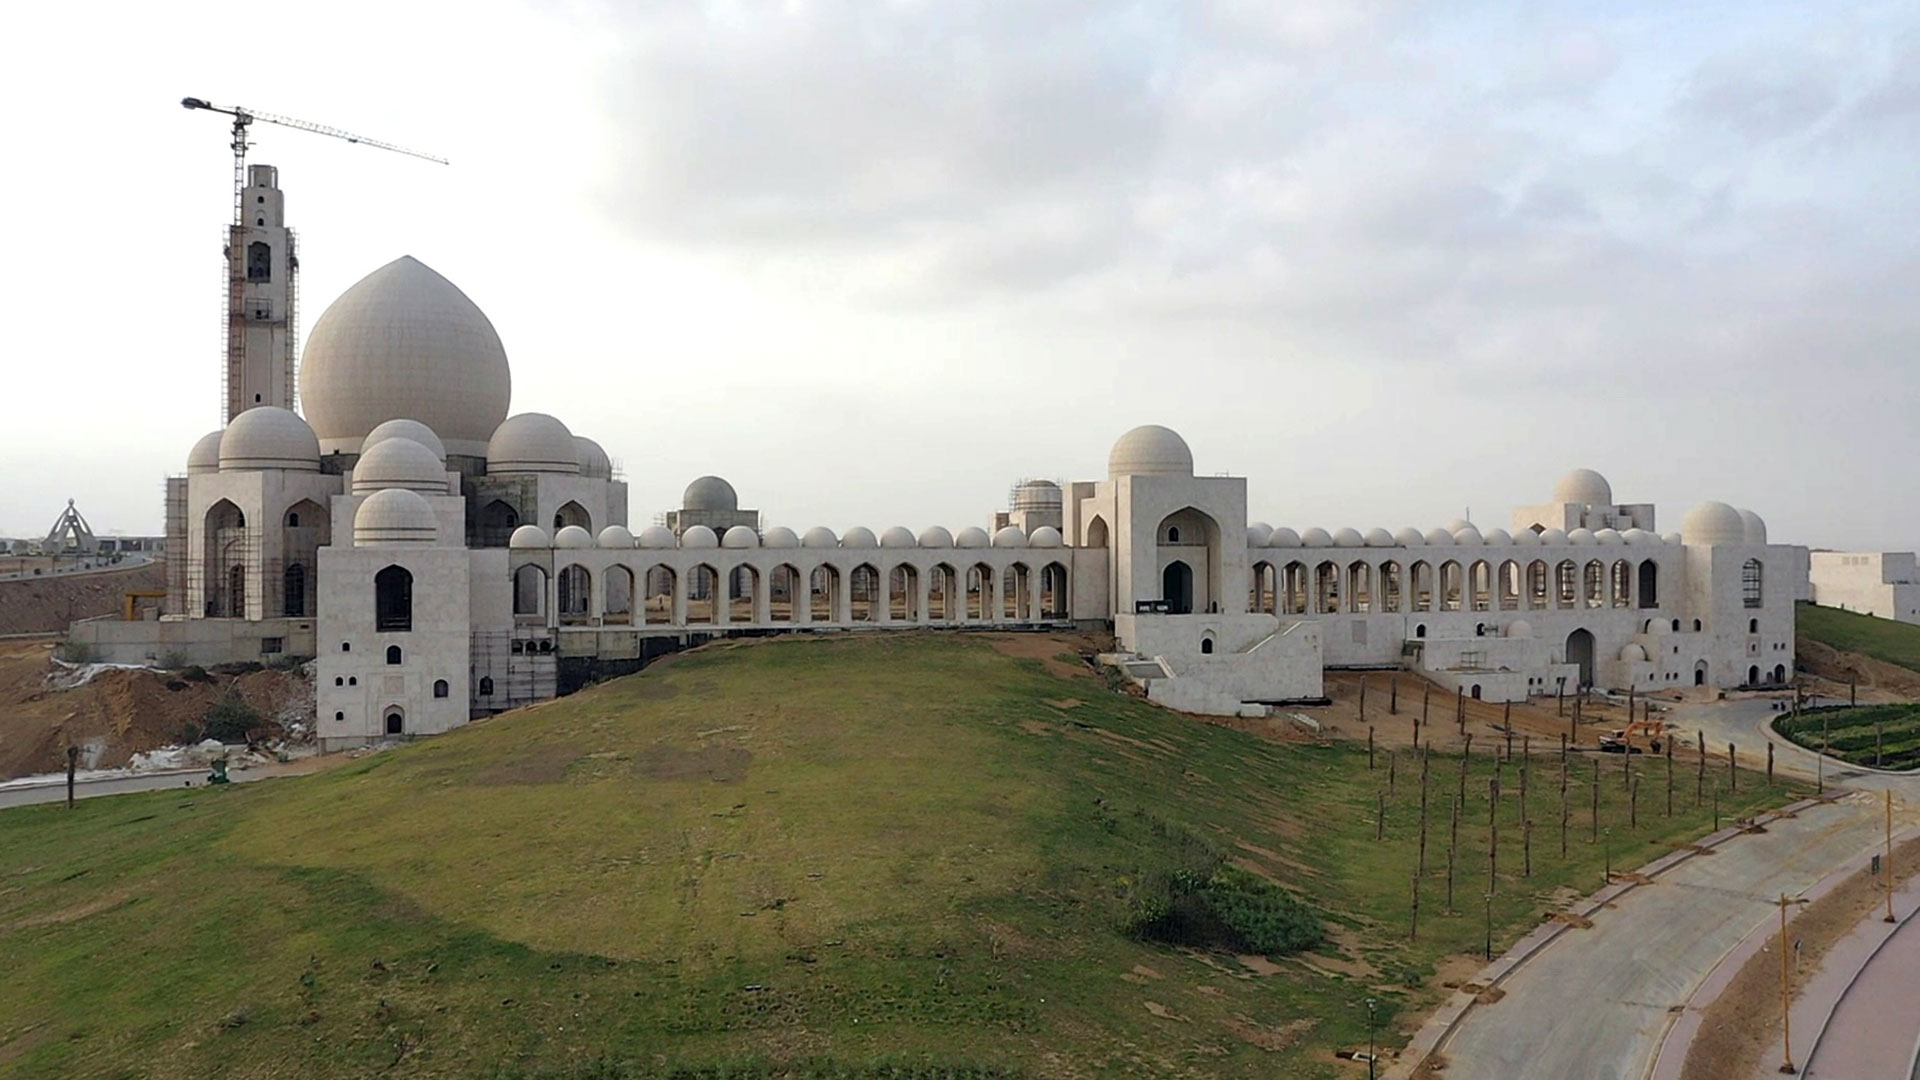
(1380, 819)
(1887, 863)
(1363, 699)
(1393, 759)
(1526, 848)
(1633, 804)
(1669, 774)
(1786, 996)
(1453, 846)
(1413, 922)
(1700, 782)
(1596, 802)
(1493, 833)
(1420, 867)
(1460, 707)
(1393, 699)
(1733, 778)
(1769, 764)
(1369, 747)
(73, 762)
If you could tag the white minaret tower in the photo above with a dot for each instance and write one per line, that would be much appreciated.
(260, 297)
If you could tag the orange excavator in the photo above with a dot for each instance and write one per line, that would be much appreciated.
(1638, 737)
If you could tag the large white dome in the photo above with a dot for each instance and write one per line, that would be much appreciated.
(405, 429)
(404, 342)
(205, 455)
(399, 463)
(532, 442)
(1585, 487)
(269, 437)
(710, 493)
(1711, 524)
(1150, 450)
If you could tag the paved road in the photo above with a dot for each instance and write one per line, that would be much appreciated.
(1595, 1003)
(117, 785)
(1875, 1028)
(1746, 722)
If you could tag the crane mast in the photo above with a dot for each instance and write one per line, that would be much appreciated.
(262, 269)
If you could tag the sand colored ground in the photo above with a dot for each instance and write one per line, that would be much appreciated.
(48, 604)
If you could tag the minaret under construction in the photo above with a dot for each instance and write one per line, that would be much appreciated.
(261, 293)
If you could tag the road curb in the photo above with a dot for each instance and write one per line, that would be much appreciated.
(1447, 1018)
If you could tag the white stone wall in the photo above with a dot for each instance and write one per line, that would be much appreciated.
(1882, 584)
(356, 687)
(1253, 658)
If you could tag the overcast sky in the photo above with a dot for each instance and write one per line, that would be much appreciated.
(874, 262)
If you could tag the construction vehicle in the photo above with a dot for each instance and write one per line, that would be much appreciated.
(1638, 737)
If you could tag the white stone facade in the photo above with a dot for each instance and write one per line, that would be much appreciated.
(1883, 584)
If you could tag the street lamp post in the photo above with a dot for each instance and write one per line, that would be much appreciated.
(1370, 1052)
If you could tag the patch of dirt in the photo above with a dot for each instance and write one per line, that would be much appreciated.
(1259, 965)
(1578, 922)
(36, 605)
(72, 914)
(1037, 727)
(1059, 654)
(1740, 1025)
(720, 764)
(1165, 1013)
(120, 712)
(1838, 667)
(545, 765)
(1063, 703)
(1253, 1033)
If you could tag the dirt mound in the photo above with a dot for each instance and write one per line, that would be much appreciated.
(37, 605)
(1839, 666)
(118, 713)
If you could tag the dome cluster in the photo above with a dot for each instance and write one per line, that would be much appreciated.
(740, 537)
(1260, 535)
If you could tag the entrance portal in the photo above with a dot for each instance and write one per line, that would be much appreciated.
(1580, 651)
(1176, 588)
(395, 723)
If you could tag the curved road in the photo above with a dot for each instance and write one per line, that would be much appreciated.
(1875, 1027)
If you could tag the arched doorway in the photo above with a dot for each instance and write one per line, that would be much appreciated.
(1700, 673)
(396, 722)
(1779, 673)
(1176, 587)
(1580, 652)
(1753, 675)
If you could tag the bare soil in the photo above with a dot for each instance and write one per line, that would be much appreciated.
(1741, 1024)
(1892, 682)
(118, 714)
(720, 764)
(48, 604)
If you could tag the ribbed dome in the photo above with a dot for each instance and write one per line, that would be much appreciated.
(1348, 537)
(1468, 536)
(710, 493)
(1526, 538)
(1150, 450)
(614, 536)
(935, 536)
(1552, 536)
(399, 463)
(780, 537)
(740, 536)
(1608, 537)
(699, 536)
(532, 442)
(898, 536)
(1585, 487)
(656, 537)
(1037, 495)
(205, 455)
(1639, 537)
(573, 536)
(1010, 536)
(404, 342)
(593, 459)
(973, 536)
(1711, 524)
(269, 437)
(1046, 536)
(529, 536)
(405, 429)
(394, 516)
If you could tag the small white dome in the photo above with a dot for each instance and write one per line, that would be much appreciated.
(819, 537)
(393, 516)
(740, 536)
(1657, 627)
(657, 537)
(1498, 538)
(1258, 534)
(898, 536)
(1284, 537)
(780, 537)
(1150, 450)
(1526, 538)
(1519, 628)
(614, 536)
(593, 460)
(1581, 538)
(1378, 537)
(1439, 537)
(1756, 528)
(394, 462)
(859, 537)
(1711, 524)
(698, 536)
(533, 442)
(1670, 538)
(1632, 654)
(269, 437)
(1457, 524)
(1046, 536)
(1349, 538)
(1639, 538)
(1609, 538)
(403, 341)
(1316, 537)
(1552, 537)
(1585, 487)
(1410, 537)
(1010, 537)
(529, 536)
(205, 455)
(573, 536)
(973, 536)
(935, 536)
(710, 493)
(1468, 537)
(405, 429)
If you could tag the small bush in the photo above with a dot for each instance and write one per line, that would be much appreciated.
(1232, 909)
(195, 673)
(231, 720)
(75, 652)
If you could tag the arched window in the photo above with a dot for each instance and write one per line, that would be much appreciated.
(486, 686)
(1173, 534)
(1696, 626)
(1753, 626)
(293, 592)
(259, 261)
(393, 600)
(1750, 583)
(339, 716)
(1206, 646)
(1420, 631)
(293, 519)
(393, 654)
(439, 688)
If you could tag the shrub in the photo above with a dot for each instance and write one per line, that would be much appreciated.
(1231, 909)
(231, 720)
(75, 652)
(195, 673)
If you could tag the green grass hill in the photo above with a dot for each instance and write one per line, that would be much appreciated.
(859, 856)
(1885, 640)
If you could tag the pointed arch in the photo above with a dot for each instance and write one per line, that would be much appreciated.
(1392, 588)
(784, 593)
(1453, 586)
(1016, 601)
(1509, 582)
(903, 593)
(574, 594)
(1360, 588)
(616, 603)
(1097, 532)
(823, 593)
(1420, 581)
(530, 591)
(1053, 592)
(1480, 580)
(657, 593)
(494, 524)
(944, 599)
(393, 600)
(866, 592)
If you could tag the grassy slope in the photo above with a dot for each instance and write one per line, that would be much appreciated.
(1883, 639)
(924, 860)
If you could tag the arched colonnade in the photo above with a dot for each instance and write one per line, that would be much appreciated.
(1316, 583)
